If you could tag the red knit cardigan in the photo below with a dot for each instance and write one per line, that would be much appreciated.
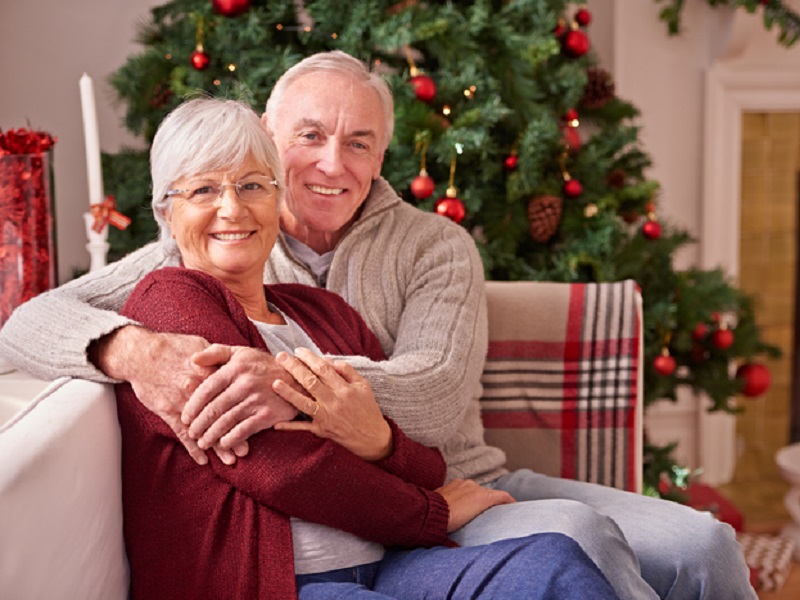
(222, 532)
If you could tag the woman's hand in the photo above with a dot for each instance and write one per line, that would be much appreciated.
(339, 401)
(467, 500)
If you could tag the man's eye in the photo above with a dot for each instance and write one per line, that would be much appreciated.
(309, 136)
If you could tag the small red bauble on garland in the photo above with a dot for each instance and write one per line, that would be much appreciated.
(664, 364)
(200, 59)
(511, 161)
(230, 8)
(722, 338)
(575, 43)
(583, 17)
(755, 379)
(451, 207)
(424, 87)
(422, 185)
(572, 188)
(699, 332)
(651, 229)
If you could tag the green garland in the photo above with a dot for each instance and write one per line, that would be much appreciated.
(775, 14)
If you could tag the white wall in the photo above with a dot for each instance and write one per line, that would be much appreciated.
(45, 46)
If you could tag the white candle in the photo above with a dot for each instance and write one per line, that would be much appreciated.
(92, 140)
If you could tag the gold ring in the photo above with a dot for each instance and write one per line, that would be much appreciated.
(316, 410)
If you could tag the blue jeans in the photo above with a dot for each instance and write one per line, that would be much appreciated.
(646, 547)
(546, 566)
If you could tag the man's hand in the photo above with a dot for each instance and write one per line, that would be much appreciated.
(467, 500)
(157, 365)
(237, 400)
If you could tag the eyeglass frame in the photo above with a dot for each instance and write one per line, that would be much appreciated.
(221, 190)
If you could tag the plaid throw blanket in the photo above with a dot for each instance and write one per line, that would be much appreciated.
(561, 382)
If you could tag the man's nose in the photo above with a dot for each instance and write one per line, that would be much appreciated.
(330, 159)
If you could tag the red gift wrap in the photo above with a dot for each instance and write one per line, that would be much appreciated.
(27, 218)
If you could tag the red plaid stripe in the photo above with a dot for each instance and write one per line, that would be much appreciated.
(566, 406)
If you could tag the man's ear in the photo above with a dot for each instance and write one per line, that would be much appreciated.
(378, 165)
(267, 128)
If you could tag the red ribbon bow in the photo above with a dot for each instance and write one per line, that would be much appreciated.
(107, 213)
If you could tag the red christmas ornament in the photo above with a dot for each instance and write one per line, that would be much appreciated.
(755, 379)
(230, 8)
(452, 208)
(510, 163)
(664, 364)
(571, 117)
(200, 59)
(424, 87)
(722, 338)
(583, 17)
(422, 185)
(699, 332)
(651, 229)
(572, 188)
(575, 43)
(560, 28)
(571, 138)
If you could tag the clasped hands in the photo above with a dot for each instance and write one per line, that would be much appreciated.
(221, 395)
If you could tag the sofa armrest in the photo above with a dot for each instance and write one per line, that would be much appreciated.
(563, 382)
(61, 497)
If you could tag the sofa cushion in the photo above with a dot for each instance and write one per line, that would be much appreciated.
(61, 497)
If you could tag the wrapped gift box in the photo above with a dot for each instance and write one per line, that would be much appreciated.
(769, 558)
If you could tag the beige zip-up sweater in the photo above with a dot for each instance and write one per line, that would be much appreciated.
(415, 277)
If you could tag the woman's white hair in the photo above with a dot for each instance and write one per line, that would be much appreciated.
(201, 135)
(340, 62)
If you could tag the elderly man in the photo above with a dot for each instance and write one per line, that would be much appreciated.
(418, 282)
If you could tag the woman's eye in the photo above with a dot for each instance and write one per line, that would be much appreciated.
(203, 190)
(252, 186)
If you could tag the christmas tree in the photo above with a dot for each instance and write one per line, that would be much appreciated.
(505, 123)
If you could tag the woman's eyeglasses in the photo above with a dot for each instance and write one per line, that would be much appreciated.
(249, 189)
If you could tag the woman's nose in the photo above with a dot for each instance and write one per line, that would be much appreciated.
(230, 205)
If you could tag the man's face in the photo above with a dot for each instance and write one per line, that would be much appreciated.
(330, 135)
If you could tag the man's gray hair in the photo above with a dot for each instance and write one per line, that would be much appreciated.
(334, 61)
(201, 135)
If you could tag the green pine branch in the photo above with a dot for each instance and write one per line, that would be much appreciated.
(776, 14)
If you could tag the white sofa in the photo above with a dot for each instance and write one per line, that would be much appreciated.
(562, 394)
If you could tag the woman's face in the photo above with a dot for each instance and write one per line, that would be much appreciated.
(224, 235)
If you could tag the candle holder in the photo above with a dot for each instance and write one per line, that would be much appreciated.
(98, 243)
(27, 229)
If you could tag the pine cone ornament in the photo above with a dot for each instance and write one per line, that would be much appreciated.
(544, 216)
(599, 88)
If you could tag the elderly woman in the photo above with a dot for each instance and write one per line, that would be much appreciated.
(301, 513)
